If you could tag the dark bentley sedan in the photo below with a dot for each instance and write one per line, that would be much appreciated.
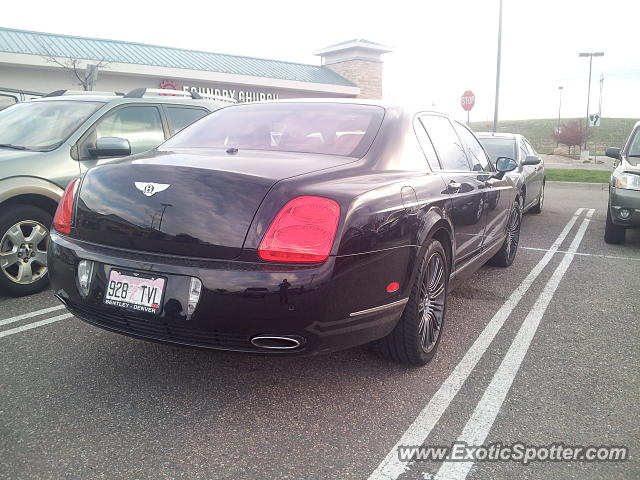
(287, 227)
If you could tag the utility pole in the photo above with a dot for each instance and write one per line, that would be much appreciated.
(495, 111)
(590, 55)
(600, 102)
(559, 110)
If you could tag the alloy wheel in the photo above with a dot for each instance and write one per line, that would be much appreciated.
(513, 233)
(23, 252)
(431, 301)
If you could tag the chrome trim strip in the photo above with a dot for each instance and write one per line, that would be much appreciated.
(294, 343)
(381, 307)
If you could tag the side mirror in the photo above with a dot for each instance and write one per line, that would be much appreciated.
(504, 165)
(531, 160)
(111, 147)
(612, 152)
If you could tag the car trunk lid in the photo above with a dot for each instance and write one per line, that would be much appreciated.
(193, 203)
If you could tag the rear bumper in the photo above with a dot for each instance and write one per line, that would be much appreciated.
(623, 199)
(331, 306)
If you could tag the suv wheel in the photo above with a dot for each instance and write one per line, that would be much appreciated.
(613, 233)
(415, 338)
(24, 232)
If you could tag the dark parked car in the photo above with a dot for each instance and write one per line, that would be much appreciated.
(624, 189)
(287, 227)
(529, 176)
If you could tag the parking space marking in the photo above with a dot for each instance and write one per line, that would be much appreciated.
(30, 314)
(29, 326)
(477, 428)
(392, 467)
(614, 257)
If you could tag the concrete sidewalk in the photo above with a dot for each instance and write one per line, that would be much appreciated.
(558, 161)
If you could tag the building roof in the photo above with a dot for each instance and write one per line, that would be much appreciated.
(115, 51)
(359, 43)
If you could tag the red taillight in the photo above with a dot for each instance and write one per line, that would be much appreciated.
(64, 212)
(393, 287)
(302, 232)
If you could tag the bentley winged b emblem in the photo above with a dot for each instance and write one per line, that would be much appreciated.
(149, 188)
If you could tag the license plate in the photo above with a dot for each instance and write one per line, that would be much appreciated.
(135, 291)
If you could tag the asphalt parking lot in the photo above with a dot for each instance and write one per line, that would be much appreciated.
(545, 351)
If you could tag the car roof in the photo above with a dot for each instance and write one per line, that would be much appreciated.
(387, 105)
(506, 136)
(119, 99)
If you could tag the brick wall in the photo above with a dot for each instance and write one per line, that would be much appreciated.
(365, 74)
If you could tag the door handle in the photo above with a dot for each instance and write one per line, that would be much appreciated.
(454, 186)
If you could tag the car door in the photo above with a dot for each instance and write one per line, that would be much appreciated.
(498, 193)
(467, 193)
(140, 124)
(534, 175)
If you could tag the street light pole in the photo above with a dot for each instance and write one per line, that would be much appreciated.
(559, 110)
(495, 111)
(600, 101)
(590, 55)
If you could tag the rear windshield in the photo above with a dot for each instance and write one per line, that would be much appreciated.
(327, 128)
(499, 147)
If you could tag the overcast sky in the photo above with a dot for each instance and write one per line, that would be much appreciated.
(442, 48)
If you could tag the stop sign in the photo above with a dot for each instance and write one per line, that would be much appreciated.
(468, 100)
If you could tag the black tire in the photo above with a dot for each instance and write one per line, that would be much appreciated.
(415, 339)
(507, 253)
(23, 221)
(537, 208)
(614, 234)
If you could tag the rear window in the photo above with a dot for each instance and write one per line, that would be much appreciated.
(327, 128)
(499, 147)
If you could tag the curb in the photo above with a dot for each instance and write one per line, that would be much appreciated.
(585, 185)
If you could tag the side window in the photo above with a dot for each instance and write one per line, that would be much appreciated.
(475, 152)
(7, 101)
(181, 117)
(529, 148)
(446, 142)
(140, 124)
(523, 152)
(426, 145)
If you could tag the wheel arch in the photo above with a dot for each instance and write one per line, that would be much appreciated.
(30, 191)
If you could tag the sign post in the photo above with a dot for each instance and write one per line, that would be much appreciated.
(467, 102)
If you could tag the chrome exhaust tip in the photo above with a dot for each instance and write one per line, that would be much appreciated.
(277, 342)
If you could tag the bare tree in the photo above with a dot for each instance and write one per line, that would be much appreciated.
(78, 68)
(572, 134)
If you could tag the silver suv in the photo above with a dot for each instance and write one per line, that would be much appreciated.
(45, 143)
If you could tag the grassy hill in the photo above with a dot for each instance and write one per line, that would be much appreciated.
(612, 132)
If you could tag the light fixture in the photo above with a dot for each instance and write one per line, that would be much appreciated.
(195, 288)
(85, 275)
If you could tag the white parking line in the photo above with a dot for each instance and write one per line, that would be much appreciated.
(30, 314)
(391, 467)
(477, 428)
(614, 257)
(29, 326)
